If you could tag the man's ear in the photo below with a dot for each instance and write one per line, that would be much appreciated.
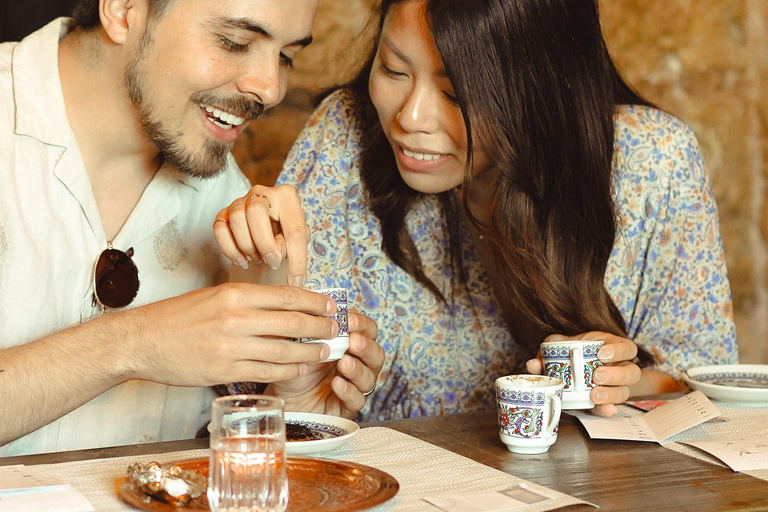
(118, 17)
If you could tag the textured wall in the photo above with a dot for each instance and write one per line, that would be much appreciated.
(705, 61)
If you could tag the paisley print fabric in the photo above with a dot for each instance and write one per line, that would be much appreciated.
(666, 273)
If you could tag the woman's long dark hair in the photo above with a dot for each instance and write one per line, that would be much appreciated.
(538, 92)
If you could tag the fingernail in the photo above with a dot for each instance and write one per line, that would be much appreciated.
(600, 377)
(272, 260)
(248, 258)
(343, 385)
(605, 353)
(242, 263)
(325, 352)
(298, 281)
(330, 306)
(334, 330)
(303, 369)
(601, 395)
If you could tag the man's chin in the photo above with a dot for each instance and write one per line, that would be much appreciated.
(199, 168)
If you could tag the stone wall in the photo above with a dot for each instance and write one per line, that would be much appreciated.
(705, 61)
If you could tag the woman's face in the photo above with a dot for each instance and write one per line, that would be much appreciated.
(416, 103)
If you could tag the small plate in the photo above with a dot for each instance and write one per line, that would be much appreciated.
(730, 382)
(336, 432)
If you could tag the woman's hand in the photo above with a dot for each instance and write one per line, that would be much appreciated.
(616, 375)
(339, 387)
(266, 225)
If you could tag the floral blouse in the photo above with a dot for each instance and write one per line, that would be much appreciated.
(666, 273)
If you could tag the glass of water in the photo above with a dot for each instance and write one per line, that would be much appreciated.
(247, 472)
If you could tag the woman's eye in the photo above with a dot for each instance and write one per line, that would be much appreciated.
(391, 72)
(453, 99)
(286, 60)
(232, 46)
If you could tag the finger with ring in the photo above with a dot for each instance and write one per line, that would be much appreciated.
(269, 203)
(371, 391)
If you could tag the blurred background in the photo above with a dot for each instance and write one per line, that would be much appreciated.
(705, 61)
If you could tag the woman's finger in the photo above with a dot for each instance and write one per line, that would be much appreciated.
(226, 240)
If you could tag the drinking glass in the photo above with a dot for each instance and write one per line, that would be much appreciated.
(247, 471)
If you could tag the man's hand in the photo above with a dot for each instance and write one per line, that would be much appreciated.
(229, 333)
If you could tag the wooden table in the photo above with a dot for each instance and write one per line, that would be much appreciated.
(616, 475)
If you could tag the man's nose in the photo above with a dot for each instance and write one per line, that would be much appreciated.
(263, 79)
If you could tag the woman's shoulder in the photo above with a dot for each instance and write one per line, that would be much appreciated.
(341, 108)
(653, 146)
(637, 125)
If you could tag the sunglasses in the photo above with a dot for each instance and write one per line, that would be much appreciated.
(115, 278)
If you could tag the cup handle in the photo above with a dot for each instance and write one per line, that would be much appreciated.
(577, 369)
(554, 417)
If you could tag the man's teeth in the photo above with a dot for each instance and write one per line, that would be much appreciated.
(221, 118)
(420, 156)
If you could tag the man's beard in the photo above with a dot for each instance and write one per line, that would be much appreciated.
(211, 159)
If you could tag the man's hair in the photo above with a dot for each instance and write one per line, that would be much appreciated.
(85, 14)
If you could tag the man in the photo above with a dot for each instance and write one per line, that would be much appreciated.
(115, 134)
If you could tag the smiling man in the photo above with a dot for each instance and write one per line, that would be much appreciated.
(115, 137)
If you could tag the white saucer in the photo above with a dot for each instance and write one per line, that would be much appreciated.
(340, 429)
(337, 430)
(730, 382)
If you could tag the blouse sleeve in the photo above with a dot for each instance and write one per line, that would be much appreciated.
(322, 165)
(672, 286)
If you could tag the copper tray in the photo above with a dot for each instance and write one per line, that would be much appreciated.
(317, 485)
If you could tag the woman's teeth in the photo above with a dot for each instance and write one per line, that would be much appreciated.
(222, 119)
(420, 156)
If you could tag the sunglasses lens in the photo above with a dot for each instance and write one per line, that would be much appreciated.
(116, 279)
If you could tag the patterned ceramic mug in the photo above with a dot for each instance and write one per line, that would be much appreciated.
(529, 411)
(574, 362)
(340, 343)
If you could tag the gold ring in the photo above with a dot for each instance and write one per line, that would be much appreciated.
(269, 203)
(225, 221)
(236, 203)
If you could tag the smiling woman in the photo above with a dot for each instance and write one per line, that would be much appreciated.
(485, 183)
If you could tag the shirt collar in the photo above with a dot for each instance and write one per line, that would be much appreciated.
(40, 110)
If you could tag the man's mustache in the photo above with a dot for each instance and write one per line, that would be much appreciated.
(239, 106)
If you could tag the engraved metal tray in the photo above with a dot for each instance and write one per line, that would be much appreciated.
(317, 485)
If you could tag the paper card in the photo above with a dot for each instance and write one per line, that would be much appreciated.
(22, 478)
(50, 499)
(512, 498)
(517, 498)
(656, 425)
(22, 488)
(649, 405)
(738, 454)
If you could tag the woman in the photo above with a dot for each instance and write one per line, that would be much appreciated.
(487, 181)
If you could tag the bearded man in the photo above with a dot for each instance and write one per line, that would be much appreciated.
(115, 135)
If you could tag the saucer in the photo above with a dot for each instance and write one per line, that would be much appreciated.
(333, 430)
(730, 382)
(337, 432)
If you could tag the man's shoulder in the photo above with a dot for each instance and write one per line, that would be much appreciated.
(7, 106)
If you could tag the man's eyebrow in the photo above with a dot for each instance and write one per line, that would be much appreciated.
(442, 73)
(247, 24)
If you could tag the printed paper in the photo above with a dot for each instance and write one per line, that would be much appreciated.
(656, 425)
(739, 455)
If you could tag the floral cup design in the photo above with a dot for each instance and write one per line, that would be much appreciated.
(574, 362)
(529, 411)
(340, 343)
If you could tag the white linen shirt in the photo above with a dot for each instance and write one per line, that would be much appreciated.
(51, 235)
